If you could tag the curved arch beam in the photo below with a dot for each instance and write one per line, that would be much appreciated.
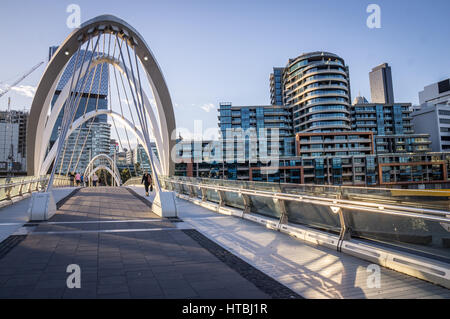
(48, 82)
(164, 157)
(108, 158)
(137, 133)
(118, 181)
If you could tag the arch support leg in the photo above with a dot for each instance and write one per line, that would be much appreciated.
(42, 206)
(164, 204)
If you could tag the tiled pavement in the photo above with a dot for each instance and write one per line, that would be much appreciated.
(123, 250)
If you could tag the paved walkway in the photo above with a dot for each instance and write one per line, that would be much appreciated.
(12, 217)
(311, 271)
(124, 251)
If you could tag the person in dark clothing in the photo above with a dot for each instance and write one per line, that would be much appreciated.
(72, 178)
(147, 180)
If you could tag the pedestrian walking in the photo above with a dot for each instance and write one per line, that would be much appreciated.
(72, 177)
(148, 182)
(78, 179)
(95, 179)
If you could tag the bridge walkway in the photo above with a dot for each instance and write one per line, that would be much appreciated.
(124, 251)
(311, 271)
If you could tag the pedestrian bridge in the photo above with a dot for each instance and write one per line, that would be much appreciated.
(229, 240)
(192, 238)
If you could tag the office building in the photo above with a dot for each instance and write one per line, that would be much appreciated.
(381, 88)
(436, 93)
(433, 115)
(316, 90)
(13, 125)
(92, 94)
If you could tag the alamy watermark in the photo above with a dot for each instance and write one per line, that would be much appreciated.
(374, 277)
(74, 279)
(374, 19)
(74, 19)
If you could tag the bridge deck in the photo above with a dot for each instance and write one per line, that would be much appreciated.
(311, 271)
(123, 251)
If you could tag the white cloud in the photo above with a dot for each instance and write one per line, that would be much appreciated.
(25, 90)
(207, 107)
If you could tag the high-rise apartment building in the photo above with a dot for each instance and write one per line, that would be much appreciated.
(272, 119)
(381, 87)
(93, 136)
(276, 86)
(316, 90)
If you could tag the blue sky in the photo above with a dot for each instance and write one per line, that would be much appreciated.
(213, 51)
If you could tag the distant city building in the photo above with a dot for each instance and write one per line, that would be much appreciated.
(433, 115)
(94, 92)
(276, 86)
(406, 143)
(82, 145)
(260, 119)
(316, 90)
(140, 156)
(381, 87)
(113, 148)
(129, 157)
(335, 144)
(13, 127)
(436, 93)
(382, 119)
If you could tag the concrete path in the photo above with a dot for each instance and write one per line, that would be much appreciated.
(12, 217)
(311, 271)
(123, 251)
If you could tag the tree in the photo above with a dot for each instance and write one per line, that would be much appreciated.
(125, 175)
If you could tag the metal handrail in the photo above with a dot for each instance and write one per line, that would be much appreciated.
(9, 186)
(405, 211)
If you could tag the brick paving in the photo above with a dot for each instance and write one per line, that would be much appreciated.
(124, 251)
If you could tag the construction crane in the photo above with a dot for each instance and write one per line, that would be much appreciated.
(9, 87)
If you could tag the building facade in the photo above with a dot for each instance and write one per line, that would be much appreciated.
(316, 90)
(382, 119)
(13, 125)
(433, 115)
(93, 136)
(238, 124)
(381, 88)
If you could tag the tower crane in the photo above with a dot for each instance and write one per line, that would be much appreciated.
(8, 88)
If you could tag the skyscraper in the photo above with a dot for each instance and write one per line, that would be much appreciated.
(316, 89)
(93, 137)
(381, 84)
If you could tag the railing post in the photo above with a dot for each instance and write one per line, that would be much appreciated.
(221, 198)
(247, 203)
(283, 212)
(30, 184)
(191, 191)
(204, 197)
(8, 192)
(21, 187)
(345, 232)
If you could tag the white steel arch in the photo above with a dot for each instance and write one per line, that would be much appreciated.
(111, 162)
(42, 158)
(133, 129)
(162, 125)
(118, 181)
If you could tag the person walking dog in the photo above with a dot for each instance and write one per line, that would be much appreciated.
(147, 180)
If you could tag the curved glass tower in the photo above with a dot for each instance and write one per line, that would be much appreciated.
(316, 88)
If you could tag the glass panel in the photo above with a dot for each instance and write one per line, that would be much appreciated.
(316, 216)
(264, 206)
(419, 235)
